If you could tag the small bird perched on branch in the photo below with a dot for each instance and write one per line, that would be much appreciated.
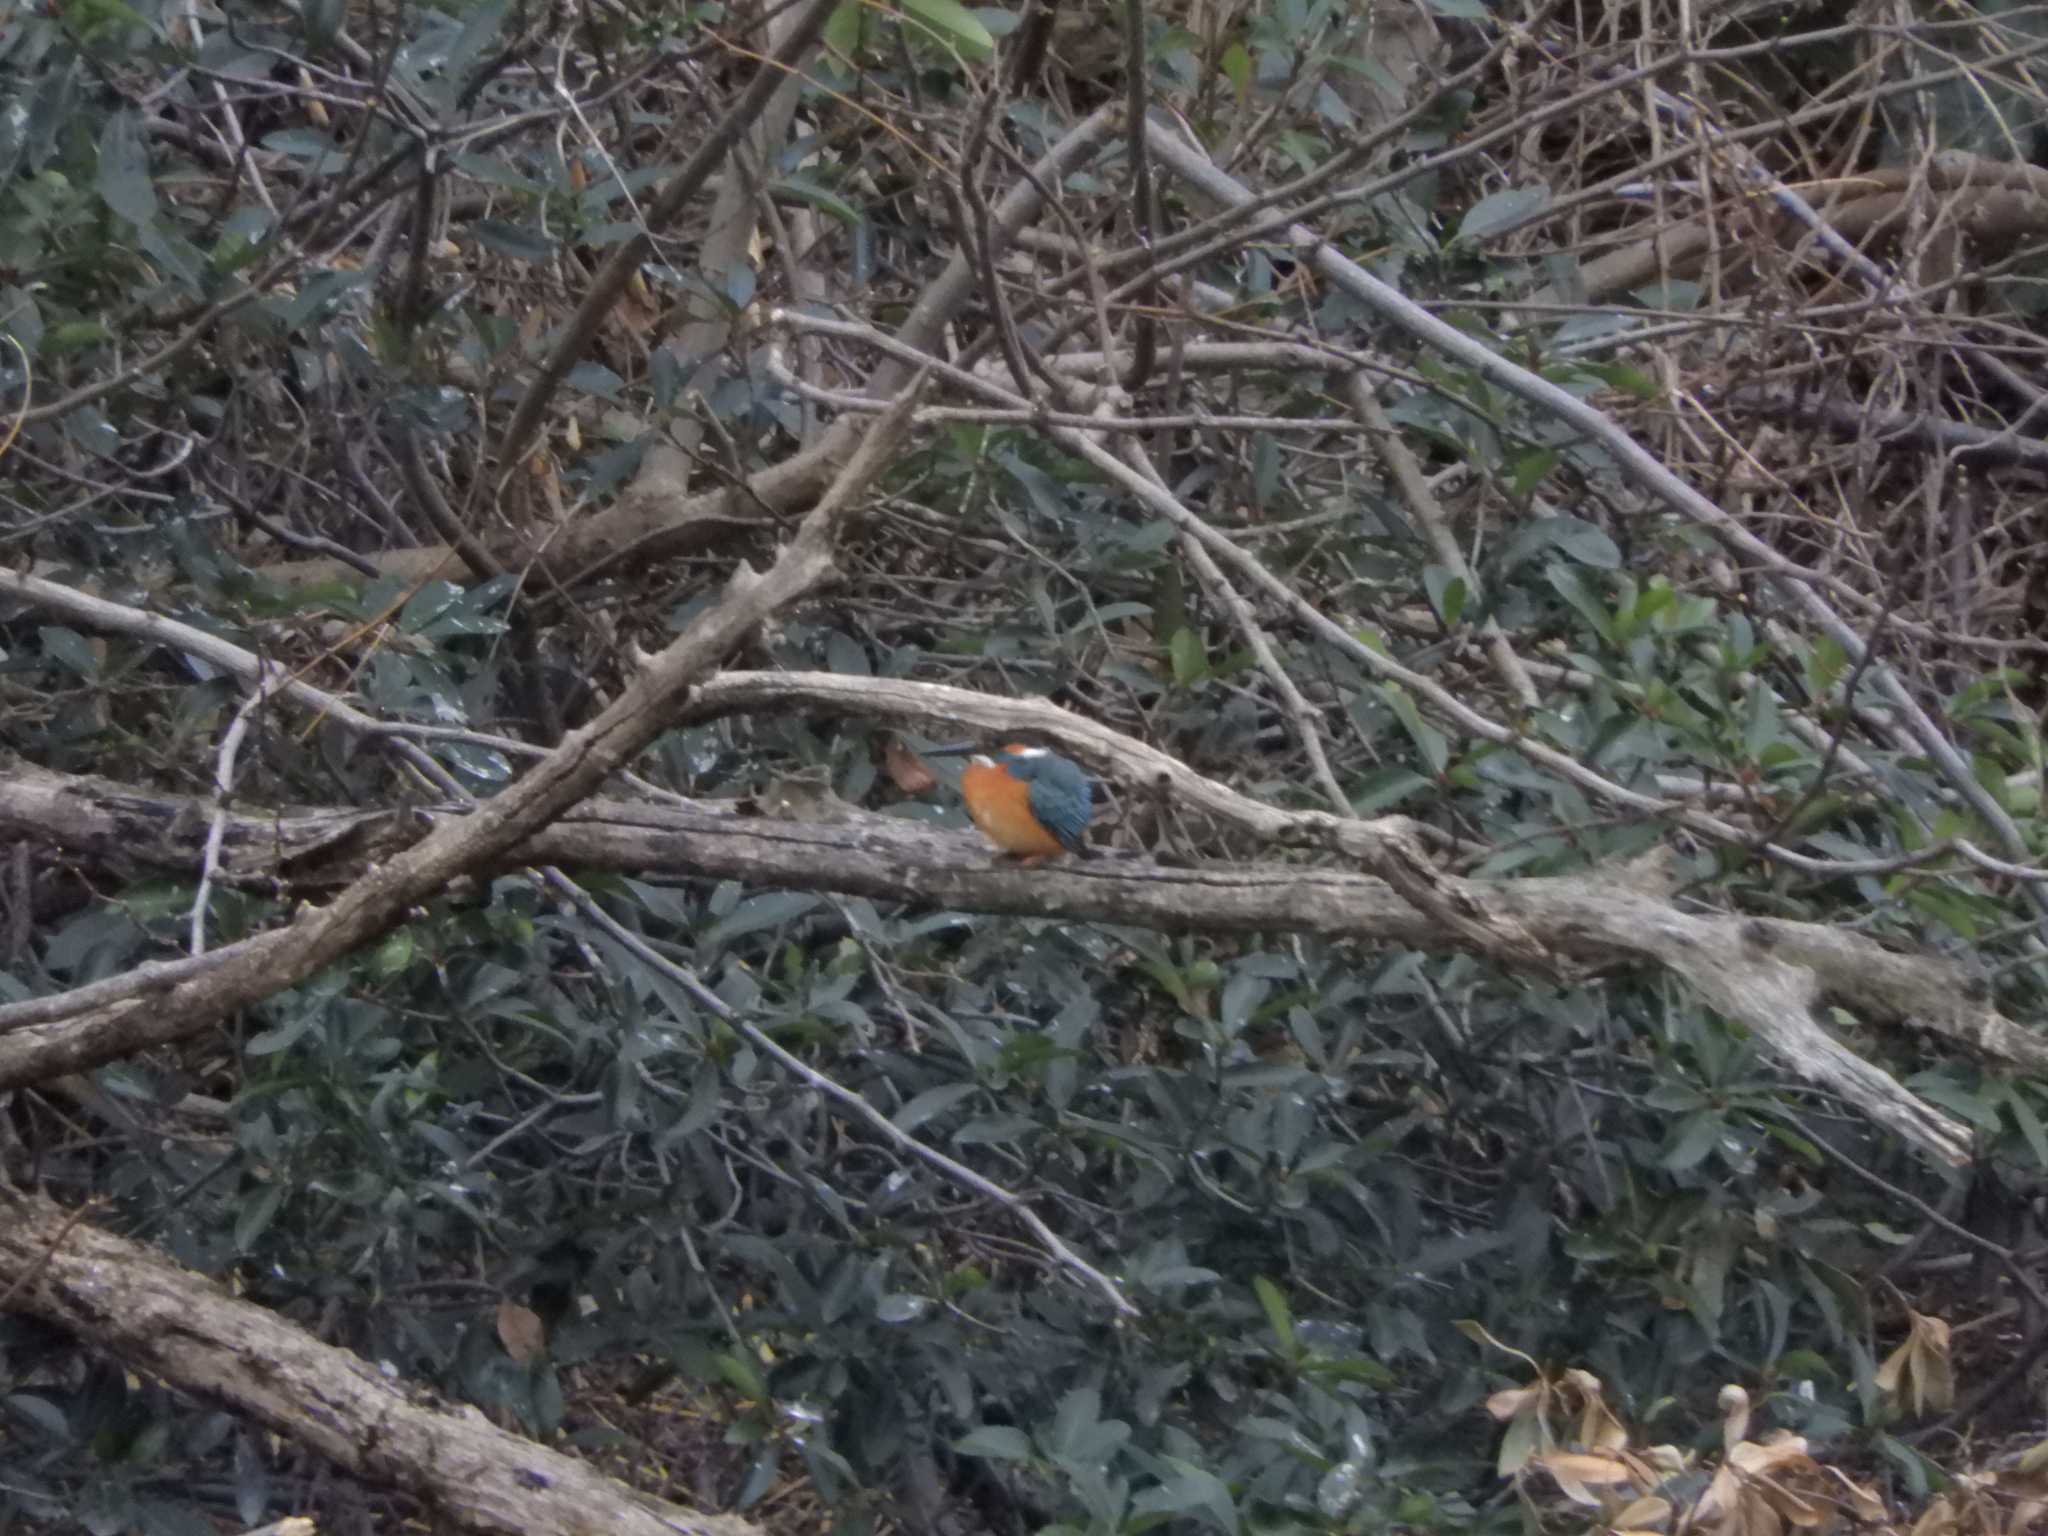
(1029, 801)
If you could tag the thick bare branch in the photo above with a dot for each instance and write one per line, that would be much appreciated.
(1767, 974)
(126, 1300)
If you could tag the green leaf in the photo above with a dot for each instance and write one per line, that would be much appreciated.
(2029, 1123)
(321, 20)
(1528, 471)
(1574, 537)
(1630, 381)
(823, 198)
(1958, 1100)
(843, 30)
(512, 240)
(1191, 1488)
(256, 1215)
(393, 955)
(1429, 741)
(479, 27)
(933, 1101)
(1279, 1316)
(1189, 656)
(1446, 594)
(123, 179)
(954, 26)
(70, 650)
(1693, 1140)
(73, 336)
(1571, 584)
(1236, 65)
(742, 1375)
(996, 1442)
(595, 379)
(1502, 209)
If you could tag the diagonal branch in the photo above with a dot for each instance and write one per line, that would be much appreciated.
(625, 260)
(126, 1300)
(1639, 465)
(257, 968)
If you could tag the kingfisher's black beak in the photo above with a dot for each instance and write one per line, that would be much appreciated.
(957, 749)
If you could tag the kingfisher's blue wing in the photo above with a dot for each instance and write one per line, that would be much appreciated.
(1064, 803)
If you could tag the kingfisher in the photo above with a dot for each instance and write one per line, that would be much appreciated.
(1028, 801)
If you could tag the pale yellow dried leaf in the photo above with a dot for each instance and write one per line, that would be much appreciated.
(1577, 1474)
(1477, 1333)
(1718, 1502)
(1863, 1503)
(1585, 1467)
(1938, 1519)
(1505, 1404)
(1734, 1404)
(1784, 1451)
(1893, 1370)
(1934, 1379)
(1598, 1427)
(1647, 1511)
(1668, 1459)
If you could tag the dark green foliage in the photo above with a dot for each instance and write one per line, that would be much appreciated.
(1305, 1162)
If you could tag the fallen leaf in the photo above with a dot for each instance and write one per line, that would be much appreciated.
(907, 771)
(520, 1330)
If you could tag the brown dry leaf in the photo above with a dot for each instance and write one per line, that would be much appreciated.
(1599, 1429)
(1920, 1370)
(1578, 1474)
(1751, 1494)
(906, 770)
(520, 1331)
(1863, 1502)
(1783, 1451)
(1717, 1505)
(1938, 1519)
(1651, 1510)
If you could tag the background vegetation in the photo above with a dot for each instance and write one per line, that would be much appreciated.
(1557, 493)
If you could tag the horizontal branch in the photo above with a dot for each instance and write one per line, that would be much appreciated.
(1769, 975)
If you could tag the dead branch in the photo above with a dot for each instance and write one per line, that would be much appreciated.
(257, 968)
(126, 1300)
(1768, 974)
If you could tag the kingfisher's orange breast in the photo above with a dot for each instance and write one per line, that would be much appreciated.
(1001, 806)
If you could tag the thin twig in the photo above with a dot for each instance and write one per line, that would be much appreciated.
(953, 1169)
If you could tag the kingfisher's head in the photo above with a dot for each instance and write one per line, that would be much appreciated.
(1018, 757)
(1021, 759)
